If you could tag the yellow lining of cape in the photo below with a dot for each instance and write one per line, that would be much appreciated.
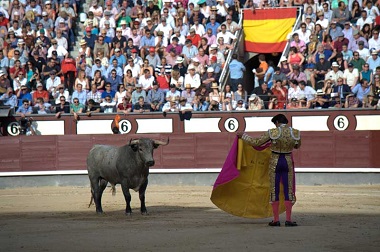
(248, 194)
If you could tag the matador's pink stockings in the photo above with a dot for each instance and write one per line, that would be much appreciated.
(276, 215)
(288, 208)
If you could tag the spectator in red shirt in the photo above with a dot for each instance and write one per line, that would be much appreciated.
(16, 69)
(195, 38)
(163, 80)
(3, 20)
(280, 93)
(40, 93)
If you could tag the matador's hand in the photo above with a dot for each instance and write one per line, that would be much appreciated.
(239, 134)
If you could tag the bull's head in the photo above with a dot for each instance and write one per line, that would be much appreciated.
(145, 148)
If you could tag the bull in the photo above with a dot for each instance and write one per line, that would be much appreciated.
(127, 165)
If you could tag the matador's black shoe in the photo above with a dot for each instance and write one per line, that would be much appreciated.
(290, 224)
(274, 224)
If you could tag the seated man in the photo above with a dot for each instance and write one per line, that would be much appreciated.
(361, 90)
(52, 83)
(108, 105)
(25, 109)
(75, 108)
(92, 107)
(63, 107)
(171, 105)
(322, 67)
(141, 106)
(156, 98)
(173, 92)
(8, 98)
(108, 91)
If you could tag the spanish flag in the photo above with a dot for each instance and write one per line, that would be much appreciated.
(266, 30)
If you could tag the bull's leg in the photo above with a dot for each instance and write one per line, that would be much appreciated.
(127, 196)
(142, 197)
(96, 194)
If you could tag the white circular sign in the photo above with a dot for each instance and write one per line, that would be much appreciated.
(341, 122)
(13, 129)
(125, 126)
(231, 124)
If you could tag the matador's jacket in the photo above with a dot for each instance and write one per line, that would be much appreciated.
(283, 140)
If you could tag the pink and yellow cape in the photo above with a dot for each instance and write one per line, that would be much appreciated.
(242, 187)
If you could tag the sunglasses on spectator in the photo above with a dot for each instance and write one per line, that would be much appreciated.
(26, 104)
(17, 54)
(76, 102)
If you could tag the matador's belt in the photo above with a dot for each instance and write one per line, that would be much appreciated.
(286, 153)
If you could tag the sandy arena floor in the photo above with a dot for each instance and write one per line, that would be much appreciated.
(182, 218)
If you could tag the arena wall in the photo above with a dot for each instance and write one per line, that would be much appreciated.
(337, 146)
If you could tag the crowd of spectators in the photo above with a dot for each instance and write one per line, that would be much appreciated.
(134, 56)
(333, 60)
(161, 56)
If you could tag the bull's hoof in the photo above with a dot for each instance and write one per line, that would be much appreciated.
(144, 213)
(128, 213)
(100, 212)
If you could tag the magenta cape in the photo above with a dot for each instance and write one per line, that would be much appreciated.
(242, 187)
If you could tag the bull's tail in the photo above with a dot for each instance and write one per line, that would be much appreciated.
(91, 200)
(113, 190)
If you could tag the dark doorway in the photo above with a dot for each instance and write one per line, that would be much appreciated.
(252, 63)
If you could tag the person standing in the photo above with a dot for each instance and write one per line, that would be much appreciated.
(283, 140)
(237, 70)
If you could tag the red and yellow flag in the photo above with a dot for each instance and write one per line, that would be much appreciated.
(266, 30)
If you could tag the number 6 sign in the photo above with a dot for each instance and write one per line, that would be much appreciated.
(13, 129)
(231, 124)
(341, 123)
(125, 126)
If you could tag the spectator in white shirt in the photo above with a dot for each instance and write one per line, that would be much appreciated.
(306, 91)
(192, 78)
(351, 76)
(61, 51)
(146, 80)
(52, 82)
(294, 90)
(228, 37)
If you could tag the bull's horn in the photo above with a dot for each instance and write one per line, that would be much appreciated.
(158, 142)
(131, 142)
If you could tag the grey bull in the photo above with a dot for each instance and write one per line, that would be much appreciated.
(127, 165)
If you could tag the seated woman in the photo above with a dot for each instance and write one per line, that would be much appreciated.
(241, 94)
(215, 98)
(228, 98)
(120, 94)
(82, 79)
(98, 80)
